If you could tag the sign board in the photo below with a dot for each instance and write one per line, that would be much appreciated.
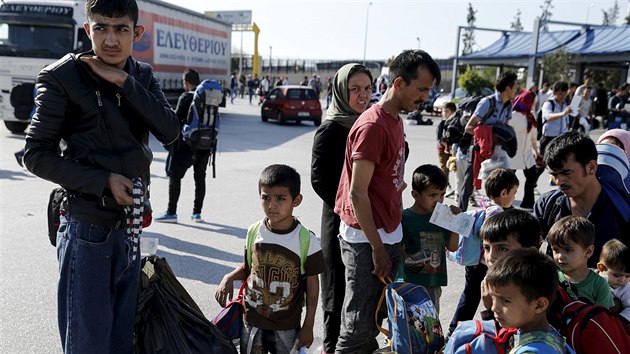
(239, 17)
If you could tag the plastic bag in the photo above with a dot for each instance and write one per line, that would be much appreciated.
(499, 159)
(167, 318)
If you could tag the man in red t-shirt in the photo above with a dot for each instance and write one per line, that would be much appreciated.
(369, 197)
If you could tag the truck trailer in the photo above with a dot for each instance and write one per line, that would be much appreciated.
(35, 33)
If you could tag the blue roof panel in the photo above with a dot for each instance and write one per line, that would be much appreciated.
(602, 41)
(518, 44)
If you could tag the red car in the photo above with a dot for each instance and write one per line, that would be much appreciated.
(295, 103)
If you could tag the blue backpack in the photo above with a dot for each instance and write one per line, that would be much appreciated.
(414, 325)
(477, 337)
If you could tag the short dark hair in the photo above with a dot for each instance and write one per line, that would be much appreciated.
(534, 273)
(359, 69)
(280, 176)
(426, 176)
(113, 8)
(406, 64)
(191, 76)
(576, 143)
(560, 86)
(500, 179)
(572, 228)
(519, 223)
(506, 79)
(616, 256)
(451, 106)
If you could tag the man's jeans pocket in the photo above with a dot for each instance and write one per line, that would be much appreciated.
(92, 234)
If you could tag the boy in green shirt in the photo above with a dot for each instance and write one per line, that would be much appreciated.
(424, 243)
(572, 242)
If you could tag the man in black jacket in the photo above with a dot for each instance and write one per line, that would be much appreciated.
(101, 106)
(181, 156)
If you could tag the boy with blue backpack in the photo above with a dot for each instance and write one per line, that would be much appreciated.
(424, 243)
(282, 263)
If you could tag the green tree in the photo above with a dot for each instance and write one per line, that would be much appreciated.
(469, 32)
(516, 25)
(546, 14)
(611, 15)
(628, 17)
(472, 82)
(557, 66)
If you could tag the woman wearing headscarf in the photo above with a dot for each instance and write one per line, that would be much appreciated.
(525, 126)
(617, 137)
(351, 92)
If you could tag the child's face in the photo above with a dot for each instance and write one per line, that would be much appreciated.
(615, 279)
(446, 113)
(572, 257)
(506, 198)
(426, 200)
(493, 251)
(278, 205)
(513, 310)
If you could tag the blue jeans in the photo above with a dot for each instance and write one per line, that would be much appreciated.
(363, 290)
(97, 290)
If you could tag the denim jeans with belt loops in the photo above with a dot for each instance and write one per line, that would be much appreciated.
(97, 290)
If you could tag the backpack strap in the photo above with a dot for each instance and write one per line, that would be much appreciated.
(493, 105)
(552, 208)
(252, 231)
(305, 242)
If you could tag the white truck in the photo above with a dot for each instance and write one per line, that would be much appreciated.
(35, 33)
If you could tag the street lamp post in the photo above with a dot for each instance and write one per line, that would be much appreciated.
(367, 17)
(588, 12)
(269, 60)
(418, 39)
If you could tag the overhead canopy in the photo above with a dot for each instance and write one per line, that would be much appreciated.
(599, 44)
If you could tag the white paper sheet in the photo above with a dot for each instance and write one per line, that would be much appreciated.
(461, 223)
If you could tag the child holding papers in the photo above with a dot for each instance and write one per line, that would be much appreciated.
(424, 243)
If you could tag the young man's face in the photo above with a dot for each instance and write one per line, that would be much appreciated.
(278, 205)
(512, 90)
(572, 257)
(426, 200)
(413, 95)
(513, 310)
(112, 38)
(560, 95)
(572, 178)
(493, 251)
(506, 198)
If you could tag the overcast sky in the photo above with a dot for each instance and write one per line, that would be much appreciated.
(324, 29)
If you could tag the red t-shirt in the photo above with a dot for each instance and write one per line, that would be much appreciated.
(378, 137)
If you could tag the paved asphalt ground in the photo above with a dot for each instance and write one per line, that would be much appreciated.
(200, 254)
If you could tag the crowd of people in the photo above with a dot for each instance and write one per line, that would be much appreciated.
(357, 169)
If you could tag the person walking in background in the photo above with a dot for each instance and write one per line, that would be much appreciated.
(329, 91)
(369, 197)
(555, 115)
(233, 87)
(491, 110)
(181, 157)
(350, 93)
(525, 127)
(103, 164)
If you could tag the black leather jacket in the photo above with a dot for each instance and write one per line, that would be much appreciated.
(102, 128)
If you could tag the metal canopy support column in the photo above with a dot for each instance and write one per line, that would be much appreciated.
(454, 81)
(531, 66)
